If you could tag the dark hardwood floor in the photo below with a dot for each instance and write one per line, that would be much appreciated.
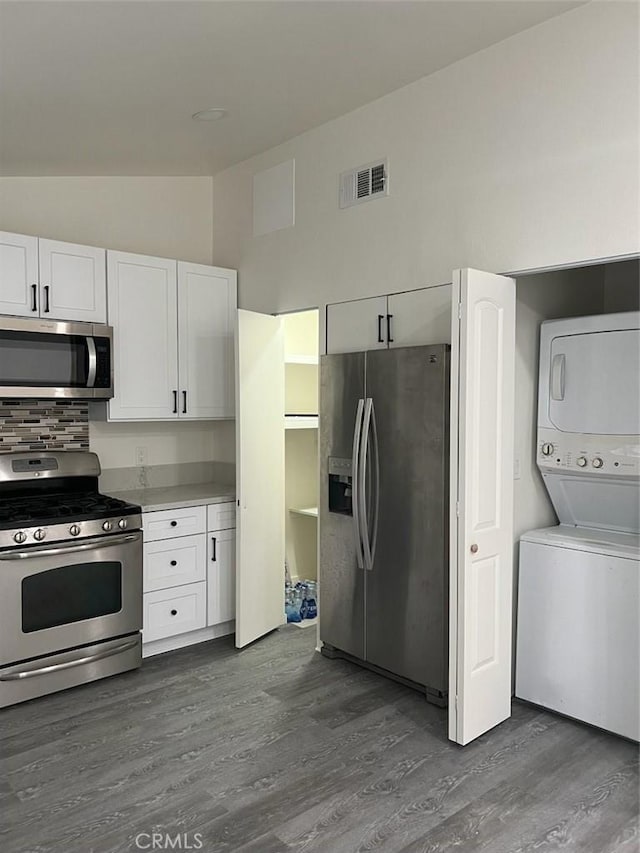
(277, 749)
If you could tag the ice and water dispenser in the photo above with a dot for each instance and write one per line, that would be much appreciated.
(340, 486)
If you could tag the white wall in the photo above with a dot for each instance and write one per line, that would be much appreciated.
(169, 217)
(522, 156)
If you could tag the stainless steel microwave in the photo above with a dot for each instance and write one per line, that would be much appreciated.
(46, 359)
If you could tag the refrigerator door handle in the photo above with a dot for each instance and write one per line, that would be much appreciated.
(355, 483)
(369, 532)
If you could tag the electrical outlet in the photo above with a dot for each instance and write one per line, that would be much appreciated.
(516, 469)
(141, 456)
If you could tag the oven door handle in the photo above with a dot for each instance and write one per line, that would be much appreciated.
(90, 545)
(68, 664)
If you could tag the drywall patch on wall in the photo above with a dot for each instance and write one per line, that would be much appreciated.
(43, 425)
(274, 203)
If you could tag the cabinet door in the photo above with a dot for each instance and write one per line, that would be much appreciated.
(143, 311)
(206, 318)
(18, 275)
(221, 577)
(72, 282)
(356, 326)
(420, 317)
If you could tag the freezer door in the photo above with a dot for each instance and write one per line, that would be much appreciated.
(407, 585)
(341, 585)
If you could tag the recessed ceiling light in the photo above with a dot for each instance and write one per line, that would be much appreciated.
(209, 115)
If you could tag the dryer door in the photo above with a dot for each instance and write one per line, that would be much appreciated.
(593, 383)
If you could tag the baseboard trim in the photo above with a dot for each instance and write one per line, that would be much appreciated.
(169, 644)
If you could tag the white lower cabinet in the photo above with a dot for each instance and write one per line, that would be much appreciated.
(221, 577)
(189, 575)
(168, 612)
(174, 562)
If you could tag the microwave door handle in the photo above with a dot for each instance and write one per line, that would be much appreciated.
(93, 362)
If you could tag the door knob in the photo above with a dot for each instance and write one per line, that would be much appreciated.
(474, 548)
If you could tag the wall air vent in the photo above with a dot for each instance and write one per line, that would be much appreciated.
(364, 183)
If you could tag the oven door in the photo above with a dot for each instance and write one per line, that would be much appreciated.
(58, 597)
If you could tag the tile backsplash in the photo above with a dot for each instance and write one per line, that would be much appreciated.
(44, 425)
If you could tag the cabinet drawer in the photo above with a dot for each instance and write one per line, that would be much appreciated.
(167, 523)
(168, 612)
(174, 562)
(221, 516)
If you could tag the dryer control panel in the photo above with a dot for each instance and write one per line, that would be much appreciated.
(608, 455)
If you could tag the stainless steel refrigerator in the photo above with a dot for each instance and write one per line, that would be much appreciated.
(384, 450)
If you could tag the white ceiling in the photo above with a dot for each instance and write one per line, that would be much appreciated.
(104, 88)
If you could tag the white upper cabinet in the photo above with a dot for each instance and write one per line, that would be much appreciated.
(206, 319)
(18, 275)
(358, 325)
(408, 319)
(143, 312)
(173, 339)
(52, 280)
(420, 317)
(72, 282)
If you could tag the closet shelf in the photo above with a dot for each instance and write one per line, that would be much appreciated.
(300, 421)
(301, 359)
(311, 511)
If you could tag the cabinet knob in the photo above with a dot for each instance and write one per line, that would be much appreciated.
(474, 548)
(174, 562)
(174, 523)
(174, 612)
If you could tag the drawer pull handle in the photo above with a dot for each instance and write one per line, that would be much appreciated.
(174, 562)
(174, 523)
(214, 544)
(174, 612)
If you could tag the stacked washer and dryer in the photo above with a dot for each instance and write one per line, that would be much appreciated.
(578, 641)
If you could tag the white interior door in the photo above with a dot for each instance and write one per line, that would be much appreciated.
(259, 475)
(481, 546)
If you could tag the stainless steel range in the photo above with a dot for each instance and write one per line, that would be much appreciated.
(70, 576)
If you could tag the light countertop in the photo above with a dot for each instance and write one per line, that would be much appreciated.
(173, 497)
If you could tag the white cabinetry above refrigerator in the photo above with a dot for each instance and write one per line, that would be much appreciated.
(411, 318)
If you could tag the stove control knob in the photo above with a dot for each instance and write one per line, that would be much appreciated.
(39, 534)
(547, 448)
(106, 526)
(20, 537)
(74, 530)
(597, 462)
(122, 523)
(581, 461)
